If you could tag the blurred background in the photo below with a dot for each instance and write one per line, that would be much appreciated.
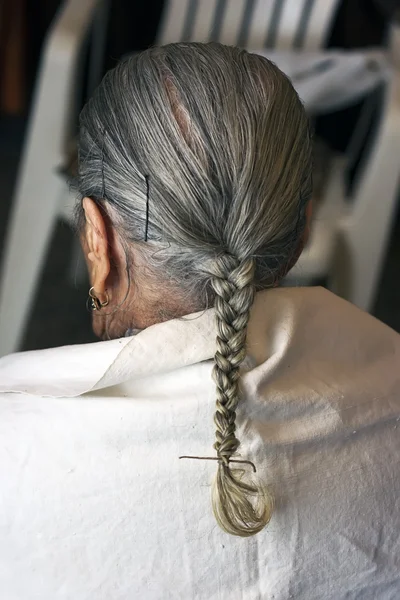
(52, 55)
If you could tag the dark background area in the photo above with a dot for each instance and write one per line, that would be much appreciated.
(59, 315)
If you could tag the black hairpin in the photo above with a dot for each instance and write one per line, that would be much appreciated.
(146, 230)
(103, 190)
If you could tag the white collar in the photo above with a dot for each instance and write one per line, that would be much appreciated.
(315, 363)
(70, 371)
(288, 325)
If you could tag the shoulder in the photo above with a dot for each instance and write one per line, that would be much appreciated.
(317, 305)
(65, 371)
(314, 321)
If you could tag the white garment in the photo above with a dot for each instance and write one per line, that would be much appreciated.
(96, 505)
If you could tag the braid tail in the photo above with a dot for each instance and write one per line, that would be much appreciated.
(240, 508)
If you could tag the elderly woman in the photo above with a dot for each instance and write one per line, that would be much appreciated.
(195, 180)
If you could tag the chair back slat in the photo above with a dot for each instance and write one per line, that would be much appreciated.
(231, 23)
(281, 24)
(203, 29)
(290, 21)
(301, 24)
(259, 26)
(320, 23)
(175, 14)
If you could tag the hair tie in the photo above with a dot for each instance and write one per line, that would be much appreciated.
(230, 460)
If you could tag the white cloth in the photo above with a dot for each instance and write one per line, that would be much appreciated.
(96, 505)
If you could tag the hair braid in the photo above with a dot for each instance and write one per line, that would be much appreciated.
(224, 140)
(240, 508)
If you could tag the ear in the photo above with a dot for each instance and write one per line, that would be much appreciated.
(96, 245)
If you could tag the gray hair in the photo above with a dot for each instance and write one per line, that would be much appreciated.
(204, 150)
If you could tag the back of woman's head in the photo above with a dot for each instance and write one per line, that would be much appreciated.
(202, 154)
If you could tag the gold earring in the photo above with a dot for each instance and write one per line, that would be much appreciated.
(95, 303)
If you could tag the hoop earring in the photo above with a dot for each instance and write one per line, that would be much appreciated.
(94, 302)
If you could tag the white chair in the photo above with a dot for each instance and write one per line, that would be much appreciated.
(361, 227)
(350, 234)
(42, 193)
